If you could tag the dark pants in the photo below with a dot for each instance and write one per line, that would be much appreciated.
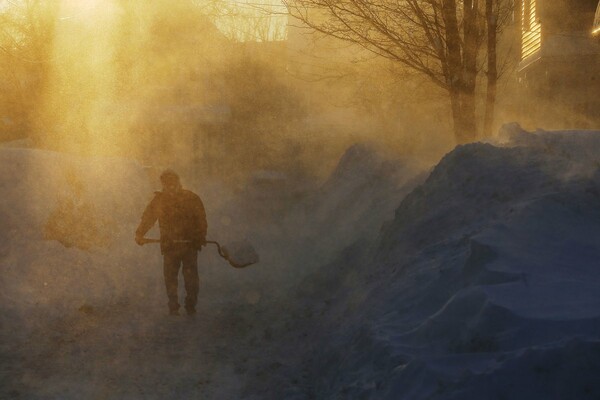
(173, 259)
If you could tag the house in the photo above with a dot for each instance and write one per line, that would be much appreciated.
(596, 30)
(559, 66)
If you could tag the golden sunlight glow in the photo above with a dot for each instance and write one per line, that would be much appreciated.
(81, 79)
(253, 20)
(81, 8)
(95, 96)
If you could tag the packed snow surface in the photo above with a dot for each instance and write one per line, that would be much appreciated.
(477, 280)
(484, 285)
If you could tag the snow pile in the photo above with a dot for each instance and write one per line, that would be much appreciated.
(297, 226)
(361, 193)
(486, 284)
(67, 229)
(580, 146)
(483, 283)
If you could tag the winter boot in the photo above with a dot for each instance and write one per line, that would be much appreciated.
(190, 311)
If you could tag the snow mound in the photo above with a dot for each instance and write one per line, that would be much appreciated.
(68, 224)
(487, 275)
(361, 193)
(578, 146)
(297, 226)
(34, 181)
(483, 282)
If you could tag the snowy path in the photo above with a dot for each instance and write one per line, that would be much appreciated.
(484, 284)
(130, 352)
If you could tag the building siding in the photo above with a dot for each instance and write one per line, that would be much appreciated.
(531, 29)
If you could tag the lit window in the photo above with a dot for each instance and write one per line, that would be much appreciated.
(531, 29)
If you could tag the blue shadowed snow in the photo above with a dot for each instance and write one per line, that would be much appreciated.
(479, 281)
(486, 284)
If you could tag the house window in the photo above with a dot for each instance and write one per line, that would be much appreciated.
(531, 32)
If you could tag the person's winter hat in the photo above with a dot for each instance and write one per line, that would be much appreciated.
(169, 177)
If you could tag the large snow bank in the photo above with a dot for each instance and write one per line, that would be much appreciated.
(361, 193)
(486, 283)
(296, 226)
(41, 272)
(482, 284)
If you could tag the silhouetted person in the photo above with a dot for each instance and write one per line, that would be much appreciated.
(182, 222)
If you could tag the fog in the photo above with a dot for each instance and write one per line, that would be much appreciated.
(223, 88)
(160, 83)
(303, 144)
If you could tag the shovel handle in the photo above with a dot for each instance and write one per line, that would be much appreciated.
(149, 240)
(220, 249)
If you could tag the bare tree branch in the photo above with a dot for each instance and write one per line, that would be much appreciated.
(439, 39)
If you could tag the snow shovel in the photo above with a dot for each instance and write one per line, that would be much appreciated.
(238, 254)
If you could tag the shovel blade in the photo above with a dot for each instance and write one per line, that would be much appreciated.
(240, 254)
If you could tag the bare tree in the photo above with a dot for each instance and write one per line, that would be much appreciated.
(492, 72)
(440, 39)
(251, 21)
(497, 13)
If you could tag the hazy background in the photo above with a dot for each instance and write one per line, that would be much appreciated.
(222, 88)
(219, 88)
(315, 150)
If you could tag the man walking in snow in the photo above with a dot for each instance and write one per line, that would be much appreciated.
(182, 222)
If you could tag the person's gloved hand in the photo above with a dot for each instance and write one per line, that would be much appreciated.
(199, 244)
(139, 239)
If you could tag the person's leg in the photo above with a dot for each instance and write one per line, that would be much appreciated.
(191, 280)
(171, 263)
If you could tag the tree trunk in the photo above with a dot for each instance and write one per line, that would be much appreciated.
(467, 116)
(456, 114)
(463, 115)
(455, 74)
(471, 49)
(471, 43)
(492, 71)
(462, 67)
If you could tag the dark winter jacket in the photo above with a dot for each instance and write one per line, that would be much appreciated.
(181, 218)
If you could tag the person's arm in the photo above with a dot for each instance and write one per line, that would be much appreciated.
(148, 220)
(201, 224)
